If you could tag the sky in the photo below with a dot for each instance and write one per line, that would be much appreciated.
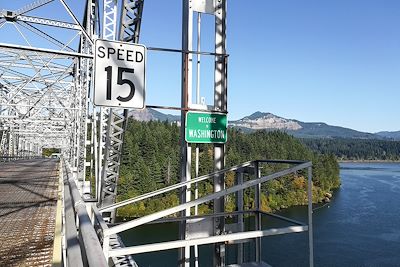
(316, 61)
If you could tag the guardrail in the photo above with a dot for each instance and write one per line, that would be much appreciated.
(83, 248)
(236, 235)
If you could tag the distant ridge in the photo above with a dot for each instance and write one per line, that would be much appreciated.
(390, 135)
(260, 120)
(270, 122)
(149, 114)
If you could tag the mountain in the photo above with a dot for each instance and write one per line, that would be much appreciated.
(149, 114)
(269, 121)
(390, 135)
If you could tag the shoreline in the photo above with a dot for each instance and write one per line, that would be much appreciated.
(369, 161)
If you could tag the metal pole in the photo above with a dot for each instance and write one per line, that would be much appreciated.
(257, 193)
(198, 58)
(100, 157)
(196, 190)
(187, 23)
(220, 103)
(239, 206)
(310, 225)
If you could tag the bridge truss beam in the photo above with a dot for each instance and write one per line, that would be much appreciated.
(45, 80)
(116, 119)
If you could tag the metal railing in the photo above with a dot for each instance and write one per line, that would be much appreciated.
(231, 235)
(83, 247)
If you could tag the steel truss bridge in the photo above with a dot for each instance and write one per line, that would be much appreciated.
(46, 101)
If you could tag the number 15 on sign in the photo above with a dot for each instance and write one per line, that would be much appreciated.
(119, 79)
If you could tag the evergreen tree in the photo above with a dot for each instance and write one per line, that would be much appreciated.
(151, 160)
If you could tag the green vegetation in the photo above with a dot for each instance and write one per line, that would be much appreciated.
(46, 152)
(356, 149)
(151, 161)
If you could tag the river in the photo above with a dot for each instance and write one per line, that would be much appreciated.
(360, 227)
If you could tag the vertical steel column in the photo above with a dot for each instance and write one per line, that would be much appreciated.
(95, 152)
(27, 151)
(257, 193)
(187, 29)
(220, 103)
(197, 152)
(89, 169)
(4, 142)
(79, 119)
(15, 143)
(310, 223)
(19, 146)
(109, 19)
(131, 15)
(75, 153)
(11, 143)
(109, 33)
(131, 19)
(87, 83)
(77, 115)
(239, 207)
(106, 153)
(102, 124)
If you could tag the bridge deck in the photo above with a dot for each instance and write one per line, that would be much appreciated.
(28, 203)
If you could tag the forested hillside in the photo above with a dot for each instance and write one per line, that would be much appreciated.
(151, 161)
(356, 149)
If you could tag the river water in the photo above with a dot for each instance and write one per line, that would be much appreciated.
(360, 227)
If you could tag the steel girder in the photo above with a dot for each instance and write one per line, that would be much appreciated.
(117, 119)
(45, 80)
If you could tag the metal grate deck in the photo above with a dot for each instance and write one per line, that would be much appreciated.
(28, 203)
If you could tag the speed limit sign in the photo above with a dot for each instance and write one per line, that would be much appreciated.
(119, 78)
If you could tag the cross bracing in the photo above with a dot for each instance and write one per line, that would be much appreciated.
(113, 121)
(45, 79)
(46, 72)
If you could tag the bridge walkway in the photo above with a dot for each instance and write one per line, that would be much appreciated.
(28, 206)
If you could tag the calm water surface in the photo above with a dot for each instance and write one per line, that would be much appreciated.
(360, 227)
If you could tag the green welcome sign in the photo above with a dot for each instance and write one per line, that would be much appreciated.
(206, 127)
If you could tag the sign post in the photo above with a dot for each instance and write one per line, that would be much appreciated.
(119, 79)
(206, 128)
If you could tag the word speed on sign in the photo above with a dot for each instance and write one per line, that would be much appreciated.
(119, 78)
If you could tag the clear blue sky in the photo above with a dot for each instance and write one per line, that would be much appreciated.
(330, 61)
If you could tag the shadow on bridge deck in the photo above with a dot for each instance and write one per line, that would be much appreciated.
(28, 203)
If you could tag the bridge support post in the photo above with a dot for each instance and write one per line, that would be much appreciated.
(239, 207)
(186, 85)
(257, 173)
(310, 223)
(220, 103)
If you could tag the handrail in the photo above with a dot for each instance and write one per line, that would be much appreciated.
(134, 223)
(172, 187)
(230, 236)
(74, 254)
(226, 238)
(188, 183)
(90, 242)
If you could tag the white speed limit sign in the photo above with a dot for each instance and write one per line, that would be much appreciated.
(119, 78)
